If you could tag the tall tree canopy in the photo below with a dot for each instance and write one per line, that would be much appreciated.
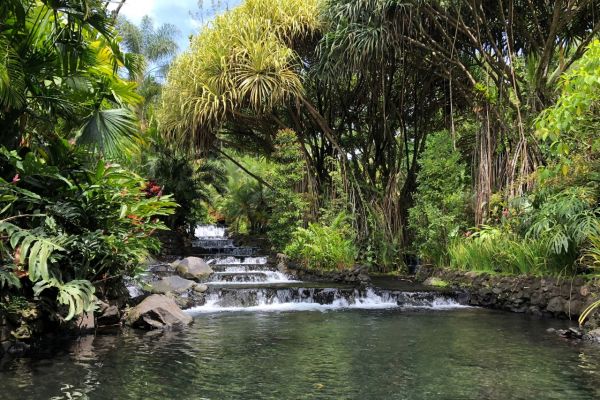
(363, 83)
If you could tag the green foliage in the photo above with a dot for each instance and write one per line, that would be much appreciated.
(58, 76)
(571, 125)
(499, 251)
(245, 207)
(324, 247)
(240, 63)
(70, 222)
(191, 182)
(566, 220)
(440, 201)
(276, 210)
(287, 204)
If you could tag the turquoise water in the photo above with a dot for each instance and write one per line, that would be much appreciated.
(341, 354)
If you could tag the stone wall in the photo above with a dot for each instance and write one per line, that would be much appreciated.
(355, 276)
(563, 297)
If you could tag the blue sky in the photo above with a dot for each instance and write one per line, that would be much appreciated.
(176, 12)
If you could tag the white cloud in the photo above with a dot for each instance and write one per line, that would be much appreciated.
(134, 10)
(176, 12)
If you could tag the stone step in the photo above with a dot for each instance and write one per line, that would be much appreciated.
(240, 267)
(250, 276)
(219, 286)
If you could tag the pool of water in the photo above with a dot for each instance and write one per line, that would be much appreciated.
(343, 354)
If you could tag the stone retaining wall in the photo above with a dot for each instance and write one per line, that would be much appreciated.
(355, 276)
(563, 297)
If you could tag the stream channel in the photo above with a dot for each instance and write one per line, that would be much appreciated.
(263, 335)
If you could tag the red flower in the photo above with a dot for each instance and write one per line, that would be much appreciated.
(16, 179)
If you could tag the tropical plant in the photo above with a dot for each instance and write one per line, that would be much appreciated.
(156, 47)
(495, 250)
(287, 203)
(566, 221)
(72, 225)
(324, 247)
(440, 201)
(191, 182)
(58, 76)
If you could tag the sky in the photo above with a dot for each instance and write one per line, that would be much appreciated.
(176, 12)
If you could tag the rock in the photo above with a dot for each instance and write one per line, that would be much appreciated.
(110, 315)
(200, 288)
(157, 312)
(18, 348)
(534, 310)
(571, 333)
(556, 305)
(86, 322)
(192, 268)
(574, 307)
(172, 283)
(282, 263)
(471, 275)
(593, 335)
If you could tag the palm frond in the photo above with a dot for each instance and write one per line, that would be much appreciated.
(112, 131)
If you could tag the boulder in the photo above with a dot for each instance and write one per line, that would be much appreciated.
(86, 322)
(174, 284)
(157, 312)
(108, 315)
(200, 288)
(556, 305)
(193, 268)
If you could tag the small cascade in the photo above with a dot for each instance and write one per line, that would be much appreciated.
(209, 232)
(245, 281)
(320, 299)
(211, 240)
(245, 276)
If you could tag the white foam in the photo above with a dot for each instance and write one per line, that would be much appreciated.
(262, 277)
(239, 261)
(209, 231)
(371, 301)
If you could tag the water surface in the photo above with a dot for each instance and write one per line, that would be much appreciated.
(343, 354)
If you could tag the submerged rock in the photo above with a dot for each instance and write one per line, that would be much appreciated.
(193, 268)
(157, 312)
(174, 283)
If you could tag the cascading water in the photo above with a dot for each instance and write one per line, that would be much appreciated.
(244, 281)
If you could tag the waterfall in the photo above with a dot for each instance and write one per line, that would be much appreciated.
(245, 281)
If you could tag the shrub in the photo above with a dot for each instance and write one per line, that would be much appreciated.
(72, 226)
(324, 247)
(500, 251)
(439, 203)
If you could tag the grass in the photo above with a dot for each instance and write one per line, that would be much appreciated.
(505, 253)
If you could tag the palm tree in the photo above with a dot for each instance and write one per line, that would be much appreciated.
(58, 63)
(156, 47)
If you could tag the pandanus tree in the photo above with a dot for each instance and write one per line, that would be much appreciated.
(364, 82)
